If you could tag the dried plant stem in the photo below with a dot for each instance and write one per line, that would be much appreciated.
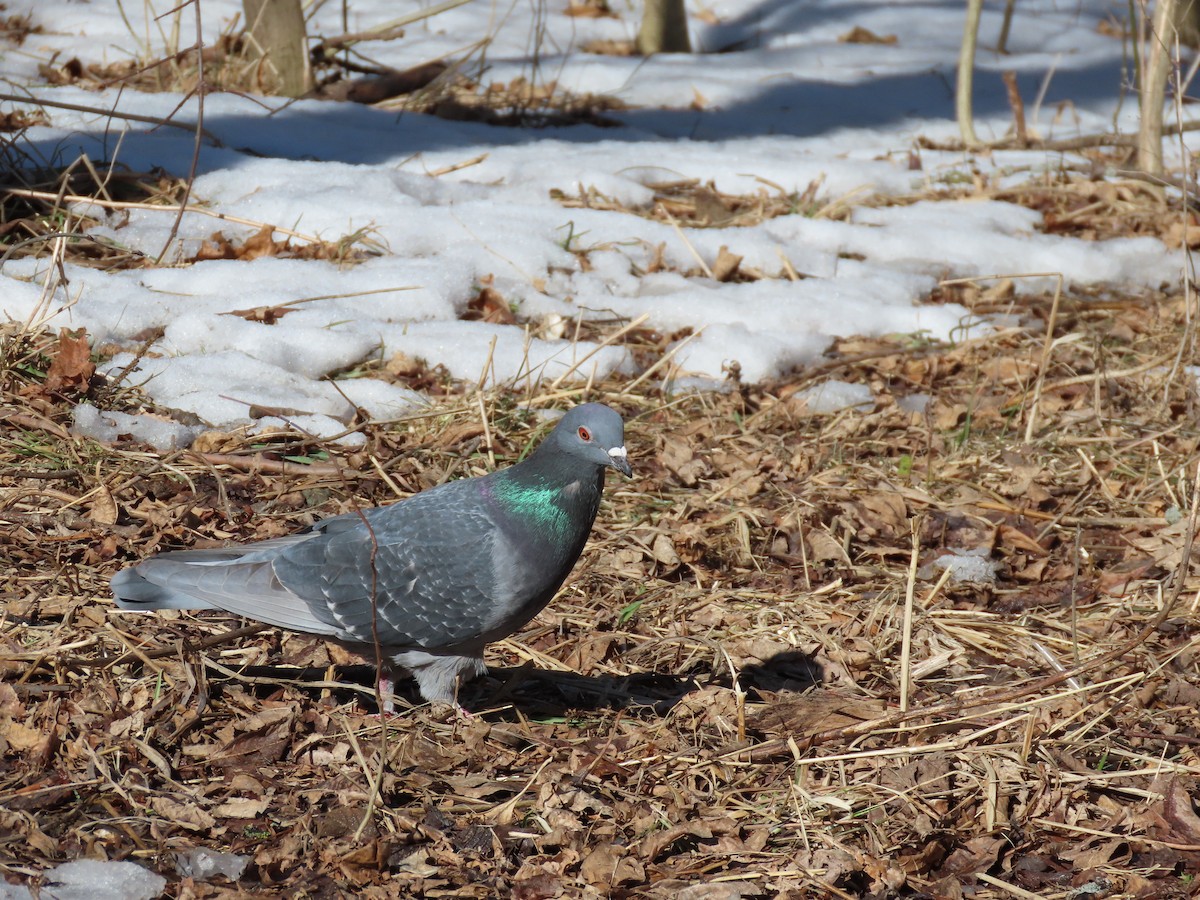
(175, 208)
(907, 622)
(1044, 363)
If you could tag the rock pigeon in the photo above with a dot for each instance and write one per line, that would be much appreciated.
(446, 570)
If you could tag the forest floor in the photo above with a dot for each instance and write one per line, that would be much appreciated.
(757, 682)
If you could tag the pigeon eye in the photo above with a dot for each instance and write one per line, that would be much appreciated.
(584, 434)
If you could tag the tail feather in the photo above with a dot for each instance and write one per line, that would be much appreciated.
(132, 591)
(239, 582)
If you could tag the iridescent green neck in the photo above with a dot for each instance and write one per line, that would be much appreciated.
(535, 502)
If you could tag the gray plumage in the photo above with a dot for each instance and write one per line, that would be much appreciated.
(450, 569)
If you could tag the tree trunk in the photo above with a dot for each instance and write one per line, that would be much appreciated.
(664, 28)
(966, 75)
(276, 37)
(1154, 88)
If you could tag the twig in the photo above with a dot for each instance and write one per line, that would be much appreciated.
(158, 207)
(1018, 107)
(1044, 362)
(200, 90)
(260, 463)
(907, 625)
(157, 121)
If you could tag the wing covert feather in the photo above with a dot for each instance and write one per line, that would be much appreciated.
(429, 566)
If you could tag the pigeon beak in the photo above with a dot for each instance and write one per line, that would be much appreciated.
(619, 460)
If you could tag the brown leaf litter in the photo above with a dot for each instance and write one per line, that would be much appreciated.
(711, 707)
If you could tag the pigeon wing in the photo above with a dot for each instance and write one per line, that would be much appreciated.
(428, 565)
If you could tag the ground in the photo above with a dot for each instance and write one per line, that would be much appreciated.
(755, 684)
(761, 680)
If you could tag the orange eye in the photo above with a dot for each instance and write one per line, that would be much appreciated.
(584, 434)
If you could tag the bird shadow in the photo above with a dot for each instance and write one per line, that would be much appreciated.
(527, 692)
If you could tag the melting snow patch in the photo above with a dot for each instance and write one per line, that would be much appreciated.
(202, 864)
(161, 434)
(968, 566)
(914, 403)
(92, 879)
(320, 428)
(834, 396)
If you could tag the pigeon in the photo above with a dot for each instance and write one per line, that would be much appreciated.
(429, 579)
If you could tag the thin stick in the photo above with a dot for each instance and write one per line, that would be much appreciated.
(108, 113)
(158, 207)
(487, 431)
(907, 624)
(200, 90)
(611, 339)
(662, 361)
(1047, 346)
(690, 246)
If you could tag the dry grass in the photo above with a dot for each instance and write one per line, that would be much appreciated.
(713, 704)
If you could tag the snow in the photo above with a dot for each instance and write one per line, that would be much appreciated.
(110, 426)
(968, 566)
(202, 864)
(92, 879)
(834, 396)
(776, 103)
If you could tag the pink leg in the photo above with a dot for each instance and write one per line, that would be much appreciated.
(387, 690)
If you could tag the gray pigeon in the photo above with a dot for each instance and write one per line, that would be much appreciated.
(447, 570)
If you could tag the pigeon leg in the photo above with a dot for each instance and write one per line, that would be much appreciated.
(387, 692)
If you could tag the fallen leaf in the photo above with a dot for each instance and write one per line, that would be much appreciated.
(10, 704)
(725, 267)
(268, 315)
(185, 815)
(72, 367)
(489, 305)
(606, 866)
(860, 35)
(21, 737)
(102, 509)
(664, 551)
(240, 808)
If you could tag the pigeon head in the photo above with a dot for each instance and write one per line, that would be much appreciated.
(592, 432)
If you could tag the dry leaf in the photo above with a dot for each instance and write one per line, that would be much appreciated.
(102, 508)
(241, 808)
(822, 547)
(606, 866)
(10, 704)
(267, 315)
(860, 35)
(72, 368)
(726, 265)
(489, 305)
(664, 551)
(22, 738)
(185, 815)
(590, 9)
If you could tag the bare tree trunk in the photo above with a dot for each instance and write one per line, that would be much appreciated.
(1154, 88)
(664, 28)
(275, 29)
(966, 75)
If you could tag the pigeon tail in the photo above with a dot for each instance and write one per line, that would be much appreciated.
(244, 585)
(132, 591)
